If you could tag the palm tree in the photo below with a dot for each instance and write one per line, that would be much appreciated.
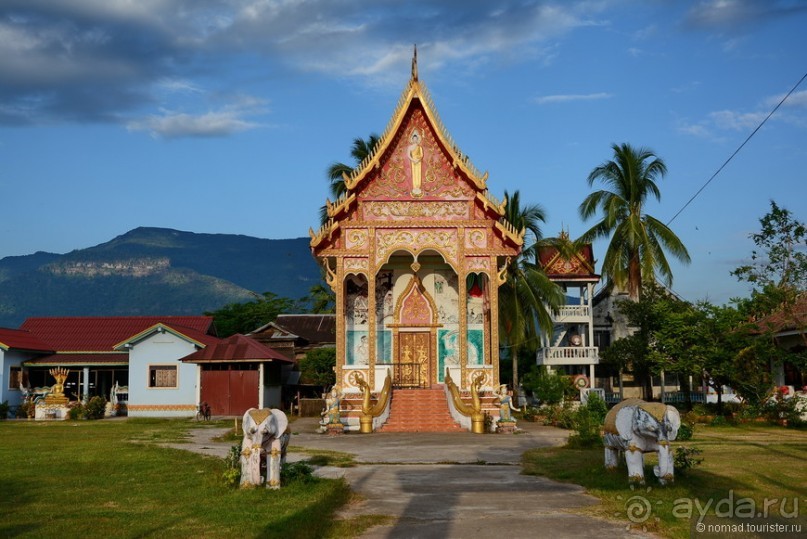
(359, 151)
(527, 295)
(638, 240)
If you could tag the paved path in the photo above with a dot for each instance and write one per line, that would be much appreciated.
(449, 485)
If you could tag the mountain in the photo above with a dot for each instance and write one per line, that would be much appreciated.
(154, 271)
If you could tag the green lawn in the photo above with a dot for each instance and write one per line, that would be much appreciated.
(109, 479)
(748, 461)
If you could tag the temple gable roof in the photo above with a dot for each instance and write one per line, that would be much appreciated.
(416, 174)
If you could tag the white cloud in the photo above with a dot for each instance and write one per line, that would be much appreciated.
(231, 119)
(105, 60)
(737, 121)
(566, 98)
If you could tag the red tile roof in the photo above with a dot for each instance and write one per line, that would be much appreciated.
(101, 334)
(789, 317)
(236, 348)
(85, 360)
(22, 340)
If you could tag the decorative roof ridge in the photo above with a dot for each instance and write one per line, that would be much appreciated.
(415, 89)
(507, 228)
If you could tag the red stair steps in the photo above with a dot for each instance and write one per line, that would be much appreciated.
(420, 410)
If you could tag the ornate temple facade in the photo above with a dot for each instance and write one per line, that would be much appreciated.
(416, 250)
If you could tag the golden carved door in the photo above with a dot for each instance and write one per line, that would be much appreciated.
(414, 359)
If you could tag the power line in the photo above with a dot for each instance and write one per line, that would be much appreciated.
(754, 132)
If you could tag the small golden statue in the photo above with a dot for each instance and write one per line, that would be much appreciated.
(56, 395)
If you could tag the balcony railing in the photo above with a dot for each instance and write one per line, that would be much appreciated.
(577, 312)
(569, 355)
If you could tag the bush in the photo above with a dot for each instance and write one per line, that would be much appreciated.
(685, 431)
(548, 387)
(686, 458)
(4, 410)
(76, 412)
(232, 474)
(559, 415)
(587, 421)
(296, 471)
(95, 408)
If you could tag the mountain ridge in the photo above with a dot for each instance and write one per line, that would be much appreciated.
(151, 270)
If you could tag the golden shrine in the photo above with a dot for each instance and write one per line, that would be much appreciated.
(416, 250)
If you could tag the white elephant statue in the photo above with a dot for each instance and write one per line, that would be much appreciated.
(265, 433)
(637, 427)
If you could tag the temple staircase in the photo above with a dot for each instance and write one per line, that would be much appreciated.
(420, 410)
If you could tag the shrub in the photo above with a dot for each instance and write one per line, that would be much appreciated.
(95, 408)
(779, 410)
(296, 471)
(559, 415)
(232, 474)
(587, 421)
(4, 410)
(685, 431)
(548, 387)
(686, 458)
(76, 411)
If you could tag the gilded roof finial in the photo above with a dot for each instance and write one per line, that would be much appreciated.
(415, 64)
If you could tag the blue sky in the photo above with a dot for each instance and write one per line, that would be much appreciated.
(222, 116)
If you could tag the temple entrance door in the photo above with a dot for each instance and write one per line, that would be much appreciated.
(413, 361)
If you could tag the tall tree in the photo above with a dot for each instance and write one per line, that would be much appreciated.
(780, 259)
(245, 317)
(360, 149)
(526, 296)
(638, 240)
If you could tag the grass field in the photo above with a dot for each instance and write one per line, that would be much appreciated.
(110, 478)
(757, 462)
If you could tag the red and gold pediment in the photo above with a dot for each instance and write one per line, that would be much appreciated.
(415, 307)
(416, 176)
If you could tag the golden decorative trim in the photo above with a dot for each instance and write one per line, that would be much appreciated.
(510, 232)
(342, 204)
(501, 275)
(490, 202)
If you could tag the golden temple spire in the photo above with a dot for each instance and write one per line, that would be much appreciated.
(415, 64)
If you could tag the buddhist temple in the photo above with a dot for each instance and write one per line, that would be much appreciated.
(416, 250)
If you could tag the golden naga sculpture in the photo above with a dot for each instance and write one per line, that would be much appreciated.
(56, 395)
(475, 410)
(369, 410)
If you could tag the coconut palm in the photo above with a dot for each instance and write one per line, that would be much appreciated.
(528, 294)
(359, 151)
(638, 240)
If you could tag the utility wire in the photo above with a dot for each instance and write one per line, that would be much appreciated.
(754, 132)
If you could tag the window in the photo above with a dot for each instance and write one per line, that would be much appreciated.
(15, 378)
(163, 376)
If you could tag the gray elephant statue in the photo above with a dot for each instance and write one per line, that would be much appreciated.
(637, 427)
(265, 434)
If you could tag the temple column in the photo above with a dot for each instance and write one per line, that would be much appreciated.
(341, 342)
(371, 331)
(86, 389)
(462, 338)
(494, 319)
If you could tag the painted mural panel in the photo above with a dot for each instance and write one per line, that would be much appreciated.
(476, 347)
(445, 297)
(448, 351)
(358, 348)
(383, 346)
(356, 302)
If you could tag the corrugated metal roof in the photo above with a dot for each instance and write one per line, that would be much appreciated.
(101, 334)
(314, 328)
(22, 340)
(84, 360)
(236, 348)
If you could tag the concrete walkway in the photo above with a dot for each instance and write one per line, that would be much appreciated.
(449, 485)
